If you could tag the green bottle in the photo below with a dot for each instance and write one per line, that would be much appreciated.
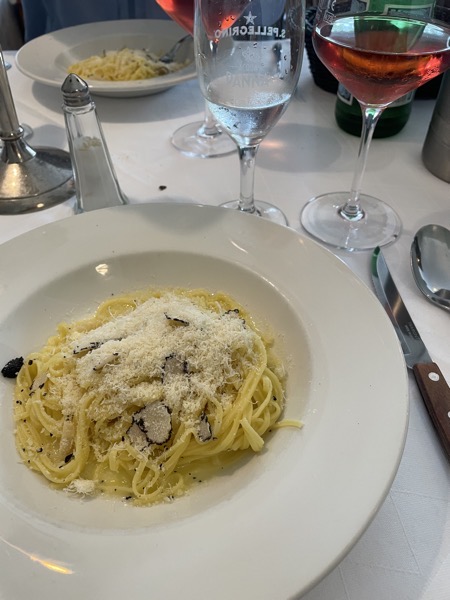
(349, 116)
(348, 111)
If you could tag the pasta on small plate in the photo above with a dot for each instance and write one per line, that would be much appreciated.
(124, 46)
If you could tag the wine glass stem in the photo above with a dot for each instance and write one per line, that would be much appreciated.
(352, 210)
(247, 156)
(209, 127)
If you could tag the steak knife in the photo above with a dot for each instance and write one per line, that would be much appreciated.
(432, 385)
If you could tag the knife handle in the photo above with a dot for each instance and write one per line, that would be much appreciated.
(436, 396)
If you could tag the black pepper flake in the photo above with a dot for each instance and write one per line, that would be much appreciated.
(30, 362)
(162, 187)
(68, 458)
(39, 450)
(128, 497)
(12, 367)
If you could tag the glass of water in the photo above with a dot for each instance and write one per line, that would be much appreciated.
(248, 69)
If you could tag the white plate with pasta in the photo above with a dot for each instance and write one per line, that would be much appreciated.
(117, 57)
(269, 526)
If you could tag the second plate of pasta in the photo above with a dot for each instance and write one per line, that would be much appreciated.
(116, 58)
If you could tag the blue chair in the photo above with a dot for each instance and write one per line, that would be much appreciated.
(44, 16)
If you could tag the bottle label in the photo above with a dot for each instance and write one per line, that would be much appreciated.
(344, 95)
(419, 9)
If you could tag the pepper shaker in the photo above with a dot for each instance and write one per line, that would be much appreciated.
(96, 183)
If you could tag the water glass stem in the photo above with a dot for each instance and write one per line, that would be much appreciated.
(352, 210)
(247, 156)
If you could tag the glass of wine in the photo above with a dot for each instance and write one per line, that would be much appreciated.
(379, 52)
(201, 139)
(248, 68)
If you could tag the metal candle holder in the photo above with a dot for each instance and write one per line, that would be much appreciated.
(31, 179)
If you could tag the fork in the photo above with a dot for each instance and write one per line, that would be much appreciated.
(169, 56)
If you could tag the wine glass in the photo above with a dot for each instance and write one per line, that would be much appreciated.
(248, 70)
(378, 55)
(201, 139)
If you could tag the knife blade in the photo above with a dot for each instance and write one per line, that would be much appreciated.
(431, 383)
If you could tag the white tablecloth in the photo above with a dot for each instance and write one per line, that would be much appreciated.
(405, 552)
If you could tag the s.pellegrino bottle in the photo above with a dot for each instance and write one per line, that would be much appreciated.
(348, 111)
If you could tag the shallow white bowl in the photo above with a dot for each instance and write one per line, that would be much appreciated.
(268, 529)
(46, 59)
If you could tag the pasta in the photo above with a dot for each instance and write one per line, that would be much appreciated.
(123, 65)
(149, 395)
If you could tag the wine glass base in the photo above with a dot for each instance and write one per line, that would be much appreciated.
(379, 226)
(192, 141)
(263, 209)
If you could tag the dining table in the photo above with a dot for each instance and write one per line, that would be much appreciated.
(404, 553)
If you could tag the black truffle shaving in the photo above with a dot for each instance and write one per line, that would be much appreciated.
(154, 421)
(92, 346)
(236, 312)
(88, 348)
(12, 367)
(204, 429)
(137, 437)
(176, 320)
(174, 365)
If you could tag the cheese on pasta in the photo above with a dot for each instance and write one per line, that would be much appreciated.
(149, 394)
(123, 65)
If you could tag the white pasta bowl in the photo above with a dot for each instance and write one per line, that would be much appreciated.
(47, 59)
(276, 524)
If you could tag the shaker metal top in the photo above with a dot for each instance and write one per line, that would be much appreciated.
(75, 91)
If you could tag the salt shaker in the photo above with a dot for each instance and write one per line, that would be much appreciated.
(436, 148)
(95, 179)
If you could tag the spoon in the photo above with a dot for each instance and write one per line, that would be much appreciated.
(430, 262)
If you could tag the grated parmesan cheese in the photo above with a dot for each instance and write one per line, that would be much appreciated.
(82, 487)
(125, 359)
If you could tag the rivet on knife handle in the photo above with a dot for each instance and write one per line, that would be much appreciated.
(436, 396)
